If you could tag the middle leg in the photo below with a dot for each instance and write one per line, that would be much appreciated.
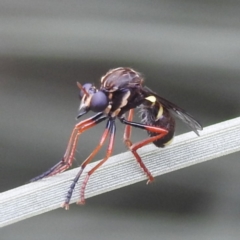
(84, 164)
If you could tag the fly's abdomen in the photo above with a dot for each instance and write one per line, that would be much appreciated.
(158, 117)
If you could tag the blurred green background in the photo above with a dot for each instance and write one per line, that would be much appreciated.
(188, 51)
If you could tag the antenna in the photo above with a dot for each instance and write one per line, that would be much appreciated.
(82, 88)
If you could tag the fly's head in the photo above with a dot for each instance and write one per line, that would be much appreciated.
(92, 99)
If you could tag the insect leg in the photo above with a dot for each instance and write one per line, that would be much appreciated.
(134, 147)
(90, 157)
(68, 157)
(128, 143)
(128, 130)
(112, 129)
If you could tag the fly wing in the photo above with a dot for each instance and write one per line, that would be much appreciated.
(176, 111)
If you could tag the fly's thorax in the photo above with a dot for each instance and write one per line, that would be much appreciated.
(122, 85)
(120, 78)
(117, 101)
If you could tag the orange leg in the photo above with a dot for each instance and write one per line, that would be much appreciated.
(128, 130)
(110, 127)
(134, 147)
(108, 154)
(68, 157)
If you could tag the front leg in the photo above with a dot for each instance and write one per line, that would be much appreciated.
(68, 157)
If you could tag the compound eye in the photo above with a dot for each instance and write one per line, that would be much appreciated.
(87, 87)
(99, 102)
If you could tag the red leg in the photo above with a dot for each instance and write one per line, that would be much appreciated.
(128, 130)
(108, 154)
(134, 147)
(90, 157)
(68, 157)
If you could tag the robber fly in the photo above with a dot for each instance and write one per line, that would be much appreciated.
(120, 93)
